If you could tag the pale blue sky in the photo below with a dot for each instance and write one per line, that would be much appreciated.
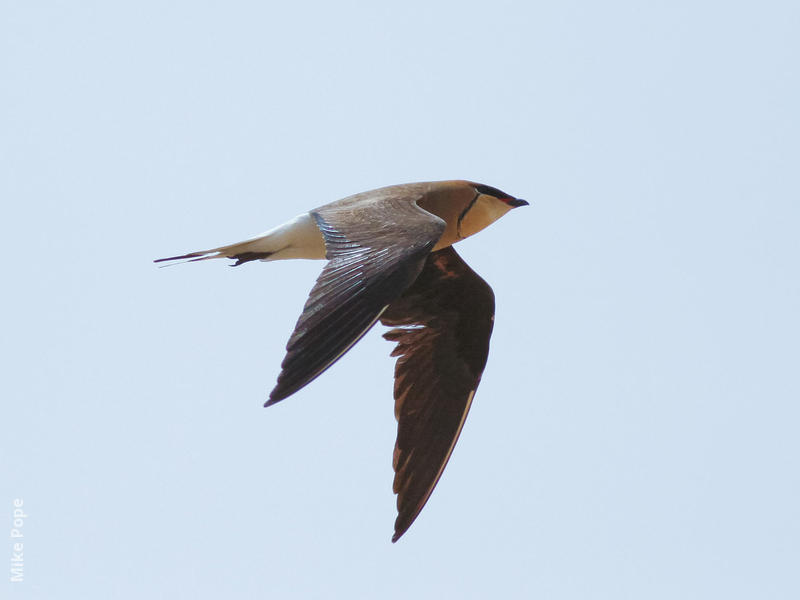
(636, 431)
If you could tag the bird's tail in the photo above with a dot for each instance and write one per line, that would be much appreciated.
(241, 252)
(299, 238)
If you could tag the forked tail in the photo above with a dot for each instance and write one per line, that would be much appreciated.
(240, 256)
(299, 238)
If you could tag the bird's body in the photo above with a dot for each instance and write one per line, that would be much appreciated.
(302, 238)
(391, 258)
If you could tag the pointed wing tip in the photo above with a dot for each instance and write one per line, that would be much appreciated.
(272, 400)
(400, 529)
(278, 393)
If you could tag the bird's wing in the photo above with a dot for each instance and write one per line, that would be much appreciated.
(376, 248)
(443, 323)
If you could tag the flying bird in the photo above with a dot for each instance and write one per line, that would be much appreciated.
(390, 258)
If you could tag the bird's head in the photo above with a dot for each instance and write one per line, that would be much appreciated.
(487, 204)
(493, 193)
